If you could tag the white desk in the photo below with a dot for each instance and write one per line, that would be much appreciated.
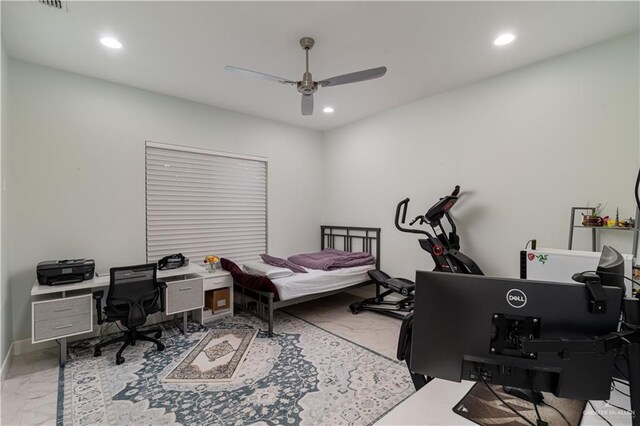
(433, 405)
(62, 311)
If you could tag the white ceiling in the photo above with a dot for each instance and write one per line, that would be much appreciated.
(180, 48)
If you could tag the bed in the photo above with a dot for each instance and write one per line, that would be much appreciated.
(315, 284)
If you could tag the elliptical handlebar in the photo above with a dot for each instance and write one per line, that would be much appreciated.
(401, 210)
(418, 218)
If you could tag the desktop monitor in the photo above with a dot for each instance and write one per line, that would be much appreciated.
(465, 326)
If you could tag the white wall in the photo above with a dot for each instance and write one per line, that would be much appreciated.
(525, 146)
(77, 182)
(6, 320)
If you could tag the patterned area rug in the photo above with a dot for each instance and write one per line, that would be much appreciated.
(480, 406)
(215, 358)
(303, 375)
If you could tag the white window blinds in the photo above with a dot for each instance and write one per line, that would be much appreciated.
(201, 203)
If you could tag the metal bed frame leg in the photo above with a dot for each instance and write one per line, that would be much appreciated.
(270, 314)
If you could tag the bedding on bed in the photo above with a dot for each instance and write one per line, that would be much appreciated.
(253, 282)
(266, 270)
(331, 258)
(298, 285)
(283, 263)
(318, 281)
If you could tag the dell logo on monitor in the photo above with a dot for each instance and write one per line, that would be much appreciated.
(516, 298)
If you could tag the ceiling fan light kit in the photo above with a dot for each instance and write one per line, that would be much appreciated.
(307, 86)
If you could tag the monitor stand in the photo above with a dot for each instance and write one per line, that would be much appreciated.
(534, 397)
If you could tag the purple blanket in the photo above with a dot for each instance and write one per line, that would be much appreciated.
(253, 282)
(329, 259)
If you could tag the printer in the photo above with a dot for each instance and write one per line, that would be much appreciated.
(57, 272)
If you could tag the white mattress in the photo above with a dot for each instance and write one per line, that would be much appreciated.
(317, 281)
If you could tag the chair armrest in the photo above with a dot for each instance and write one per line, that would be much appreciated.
(97, 296)
(163, 287)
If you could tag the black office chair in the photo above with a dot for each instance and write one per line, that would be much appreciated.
(134, 293)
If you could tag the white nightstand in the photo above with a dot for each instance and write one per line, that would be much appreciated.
(215, 281)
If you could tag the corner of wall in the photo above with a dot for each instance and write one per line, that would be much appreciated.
(6, 311)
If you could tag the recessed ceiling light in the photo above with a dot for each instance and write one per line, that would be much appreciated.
(328, 110)
(504, 39)
(110, 42)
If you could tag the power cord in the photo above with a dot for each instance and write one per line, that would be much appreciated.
(621, 372)
(502, 400)
(535, 405)
(619, 391)
(557, 411)
(633, 282)
(618, 407)
(599, 415)
(622, 382)
(540, 421)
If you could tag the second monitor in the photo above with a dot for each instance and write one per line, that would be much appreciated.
(472, 327)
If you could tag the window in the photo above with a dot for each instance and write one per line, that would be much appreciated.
(201, 202)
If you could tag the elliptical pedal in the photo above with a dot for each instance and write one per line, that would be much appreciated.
(393, 308)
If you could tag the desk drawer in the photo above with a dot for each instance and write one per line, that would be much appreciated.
(61, 308)
(213, 283)
(184, 295)
(62, 327)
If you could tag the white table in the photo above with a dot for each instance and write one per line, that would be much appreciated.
(61, 311)
(433, 405)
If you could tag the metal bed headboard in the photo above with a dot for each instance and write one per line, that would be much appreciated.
(367, 239)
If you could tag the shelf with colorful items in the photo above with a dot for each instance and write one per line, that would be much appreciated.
(594, 220)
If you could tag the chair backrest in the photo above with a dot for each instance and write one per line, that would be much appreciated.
(135, 287)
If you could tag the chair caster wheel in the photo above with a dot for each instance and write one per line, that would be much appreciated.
(354, 310)
(119, 360)
(97, 352)
(158, 335)
(160, 347)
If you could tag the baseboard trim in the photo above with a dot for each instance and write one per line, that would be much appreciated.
(25, 346)
(6, 364)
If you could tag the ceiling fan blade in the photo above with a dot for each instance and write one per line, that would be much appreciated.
(307, 105)
(354, 77)
(261, 75)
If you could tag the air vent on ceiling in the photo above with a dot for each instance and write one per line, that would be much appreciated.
(56, 4)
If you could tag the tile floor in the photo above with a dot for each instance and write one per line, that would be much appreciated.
(29, 394)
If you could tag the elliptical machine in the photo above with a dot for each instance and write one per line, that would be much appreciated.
(444, 249)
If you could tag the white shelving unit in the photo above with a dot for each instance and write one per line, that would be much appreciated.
(215, 281)
(594, 229)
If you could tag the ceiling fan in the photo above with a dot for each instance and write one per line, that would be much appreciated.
(307, 87)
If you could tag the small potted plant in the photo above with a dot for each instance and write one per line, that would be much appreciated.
(212, 261)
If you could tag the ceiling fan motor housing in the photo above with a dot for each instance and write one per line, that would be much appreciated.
(307, 86)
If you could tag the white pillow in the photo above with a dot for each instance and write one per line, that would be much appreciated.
(271, 272)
